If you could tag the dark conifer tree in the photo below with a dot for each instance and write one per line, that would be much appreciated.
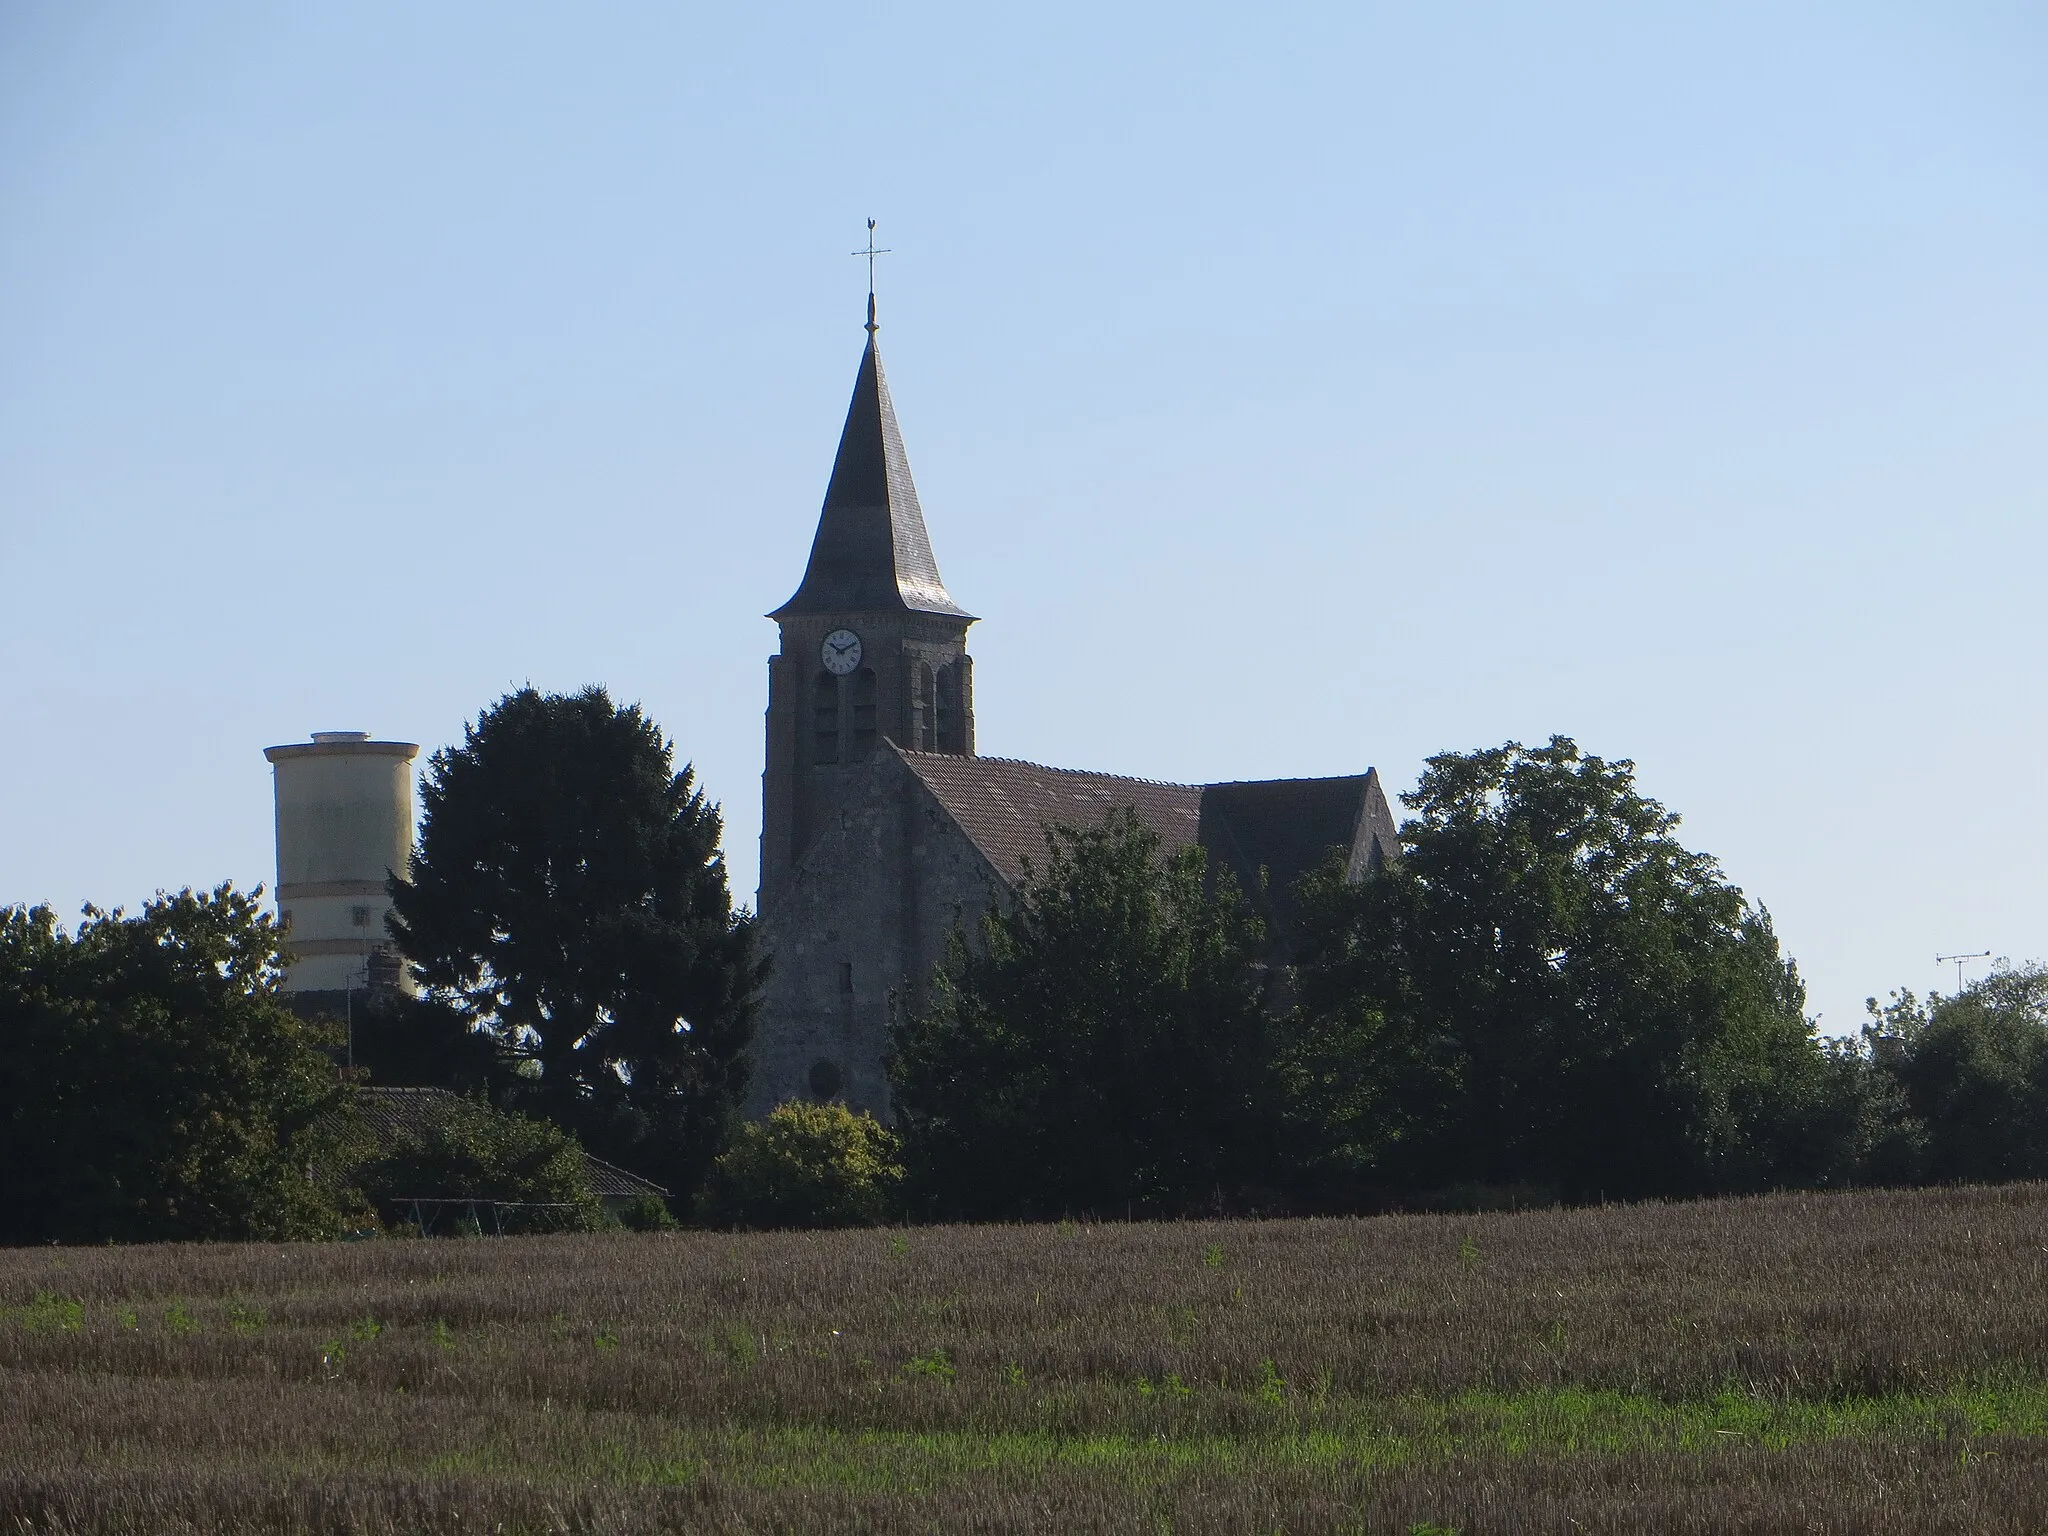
(569, 895)
(397, 1040)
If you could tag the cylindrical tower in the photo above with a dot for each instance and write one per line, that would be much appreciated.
(344, 826)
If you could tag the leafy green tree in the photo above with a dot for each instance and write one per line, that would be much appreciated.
(151, 1084)
(1548, 988)
(807, 1165)
(569, 896)
(1103, 1048)
(1358, 1096)
(1974, 1069)
(1858, 1127)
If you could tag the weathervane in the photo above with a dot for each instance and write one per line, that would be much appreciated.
(871, 251)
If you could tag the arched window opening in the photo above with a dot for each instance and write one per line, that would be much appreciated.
(951, 731)
(924, 720)
(863, 713)
(825, 719)
(825, 1079)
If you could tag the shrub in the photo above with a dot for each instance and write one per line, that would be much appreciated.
(807, 1165)
(649, 1213)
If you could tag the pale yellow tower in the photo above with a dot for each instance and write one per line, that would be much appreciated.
(344, 826)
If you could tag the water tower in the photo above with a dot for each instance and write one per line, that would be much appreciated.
(344, 826)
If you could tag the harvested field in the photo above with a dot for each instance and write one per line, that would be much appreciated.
(1844, 1362)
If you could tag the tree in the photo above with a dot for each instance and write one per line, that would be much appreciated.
(1974, 1069)
(1548, 988)
(151, 1083)
(401, 1041)
(1103, 1048)
(807, 1165)
(569, 896)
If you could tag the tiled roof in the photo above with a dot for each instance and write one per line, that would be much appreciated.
(871, 552)
(1005, 806)
(387, 1115)
(608, 1181)
(1284, 827)
(392, 1114)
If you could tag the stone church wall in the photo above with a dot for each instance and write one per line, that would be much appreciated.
(864, 916)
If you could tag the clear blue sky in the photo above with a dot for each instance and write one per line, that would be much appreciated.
(1290, 388)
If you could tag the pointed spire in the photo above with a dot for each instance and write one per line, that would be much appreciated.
(871, 552)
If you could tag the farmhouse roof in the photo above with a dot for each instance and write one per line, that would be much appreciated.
(390, 1115)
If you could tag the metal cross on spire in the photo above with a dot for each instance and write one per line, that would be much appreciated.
(871, 251)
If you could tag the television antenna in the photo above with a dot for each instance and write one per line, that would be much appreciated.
(1980, 954)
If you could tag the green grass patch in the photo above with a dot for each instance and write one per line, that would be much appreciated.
(1355, 1437)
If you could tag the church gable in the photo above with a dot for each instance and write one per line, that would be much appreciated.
(1283, 828)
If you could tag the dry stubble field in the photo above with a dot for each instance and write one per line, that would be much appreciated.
(1873, 1361)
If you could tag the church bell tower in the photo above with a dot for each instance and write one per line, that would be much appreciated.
(873, 647)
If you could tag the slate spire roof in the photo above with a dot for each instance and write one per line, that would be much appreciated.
(871, 552)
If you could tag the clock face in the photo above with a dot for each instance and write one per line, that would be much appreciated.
(841, 652)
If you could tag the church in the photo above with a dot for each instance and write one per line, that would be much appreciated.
(881, 829)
